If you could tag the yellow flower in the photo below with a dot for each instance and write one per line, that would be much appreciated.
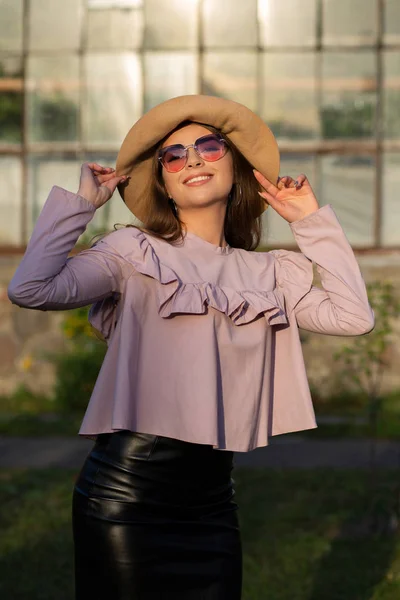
(27, 362)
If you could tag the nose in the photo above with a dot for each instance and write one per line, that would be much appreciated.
(194, 160)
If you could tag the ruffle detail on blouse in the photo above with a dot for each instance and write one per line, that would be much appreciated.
(240, 307)
(294, 276)
(176, 297)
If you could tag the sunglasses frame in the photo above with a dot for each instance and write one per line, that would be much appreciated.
(163, 151)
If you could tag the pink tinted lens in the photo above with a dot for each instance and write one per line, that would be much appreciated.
(211, 148)
(174, 159)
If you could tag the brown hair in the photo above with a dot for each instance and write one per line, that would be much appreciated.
(243, 224)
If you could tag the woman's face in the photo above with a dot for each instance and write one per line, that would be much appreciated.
(217, 177)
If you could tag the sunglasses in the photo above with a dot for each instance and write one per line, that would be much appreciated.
(209, 147)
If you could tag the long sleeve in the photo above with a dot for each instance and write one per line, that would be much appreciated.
(341, 307)
(46, 278)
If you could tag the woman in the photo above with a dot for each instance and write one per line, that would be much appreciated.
(204, 356)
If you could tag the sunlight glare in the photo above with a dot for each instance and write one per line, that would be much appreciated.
(264, 8)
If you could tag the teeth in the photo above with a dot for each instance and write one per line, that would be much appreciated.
(200, 178)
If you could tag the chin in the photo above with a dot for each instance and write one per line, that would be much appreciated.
(205, 199)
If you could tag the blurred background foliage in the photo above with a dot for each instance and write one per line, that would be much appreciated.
(78, 367)
(76, 370)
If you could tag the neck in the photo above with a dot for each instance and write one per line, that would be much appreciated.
(207, 223)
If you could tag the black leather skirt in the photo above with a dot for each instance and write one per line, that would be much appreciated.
(154, 518)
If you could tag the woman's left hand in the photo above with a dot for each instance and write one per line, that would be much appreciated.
(292, 202)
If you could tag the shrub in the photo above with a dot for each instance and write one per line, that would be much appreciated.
(77, 368)
(76, 374)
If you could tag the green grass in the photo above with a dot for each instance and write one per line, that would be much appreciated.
(24, 413)
(298, 538)
(296, 530)
(388, 429)
(39, 425)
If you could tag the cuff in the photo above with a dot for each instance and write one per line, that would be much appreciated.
(323, 214)
(73, 198)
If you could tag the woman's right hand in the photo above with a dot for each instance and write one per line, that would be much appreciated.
(97, 184)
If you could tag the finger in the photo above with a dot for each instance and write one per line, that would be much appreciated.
(112, 185)
(269, 199)
(265, 183)
(114, 181)
(105, 177)
(287, 181)
(284, 180)
(97, 167)
(300, 180)
(280, 185)
(104, 170)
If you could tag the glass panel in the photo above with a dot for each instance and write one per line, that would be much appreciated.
(169, 74)
(348, 183)
(289, 95)
(279, 28)
(276, 230)
(11, 25)
(391, 22)
(231, 75)
(349, 22)
(55, 25)
(391, 204)
(391, 96)
(11, 85)
(171, 24)
(114, 97)
(230, 23)
(114, 29)
(10, 200)
(348, 95)
(114, 3)
(52, 98)
(118, 213)
(43, 173)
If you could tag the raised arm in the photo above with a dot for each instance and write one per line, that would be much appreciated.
(46, 278)
(341, 307)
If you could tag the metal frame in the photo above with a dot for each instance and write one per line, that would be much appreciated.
(318, 148)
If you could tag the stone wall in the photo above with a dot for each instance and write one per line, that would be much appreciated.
(26, 336)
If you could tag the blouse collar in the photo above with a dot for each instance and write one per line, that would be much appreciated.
(222, 250)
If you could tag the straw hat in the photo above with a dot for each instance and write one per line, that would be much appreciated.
(243, 127)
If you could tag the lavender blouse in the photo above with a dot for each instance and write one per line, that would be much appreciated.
(203, 341)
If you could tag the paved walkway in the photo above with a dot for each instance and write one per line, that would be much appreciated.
(289, 451)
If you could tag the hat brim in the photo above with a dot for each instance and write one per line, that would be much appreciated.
(243, 127)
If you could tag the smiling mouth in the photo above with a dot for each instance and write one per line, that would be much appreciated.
(198, 180)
